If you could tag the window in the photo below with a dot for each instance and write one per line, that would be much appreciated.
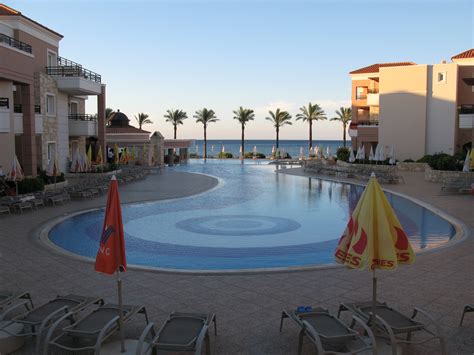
(441, 77)
(73, 108)
(50, 105)
(52, 60)
(360, 93)
(51, 150)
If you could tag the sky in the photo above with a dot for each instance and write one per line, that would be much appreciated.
(263, 55)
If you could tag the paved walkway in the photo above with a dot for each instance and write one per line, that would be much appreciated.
(248, 307)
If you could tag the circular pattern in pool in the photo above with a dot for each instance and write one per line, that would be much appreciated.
(255, 219)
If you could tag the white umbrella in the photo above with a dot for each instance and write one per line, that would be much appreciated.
(212, 148)
(371, 154)
(377, 153)
(53, 169)
(241, 152)
(16, 173)
(467, 161)
(197, 151)
(352, 157)
(301, 153)
(382, 153)
(328, 152)
(392, 155)
(223, 148)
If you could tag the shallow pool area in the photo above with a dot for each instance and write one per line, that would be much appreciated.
(254, 219)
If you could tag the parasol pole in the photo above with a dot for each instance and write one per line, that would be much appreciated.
(374, 298)
(119, 289)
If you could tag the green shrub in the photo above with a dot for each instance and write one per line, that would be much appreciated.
(225, 155)
(343, 154)
(29, 185)
(47, 180)
(442, 161)
(408, 160)
(251, 155)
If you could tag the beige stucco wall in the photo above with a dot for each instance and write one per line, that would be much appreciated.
(403, 106)
(441, 109)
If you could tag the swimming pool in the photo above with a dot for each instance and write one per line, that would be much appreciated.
(255, 218)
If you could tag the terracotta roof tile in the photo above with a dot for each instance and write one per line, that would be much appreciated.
(8, 11)
(129, 129)
(374, 68)
(464, 55)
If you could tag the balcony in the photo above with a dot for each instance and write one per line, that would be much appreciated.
(371, 122)
(373, 99)
(82, 125)
(73, 79)
(14, 43)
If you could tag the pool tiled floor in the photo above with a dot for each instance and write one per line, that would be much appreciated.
(249, 306)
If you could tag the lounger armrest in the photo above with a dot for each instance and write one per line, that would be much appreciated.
(13, 307)
(313, 335)
(149, 329)
(52, 329)
(368, 331)
(103, 333)
(432, 321)
(200, 339)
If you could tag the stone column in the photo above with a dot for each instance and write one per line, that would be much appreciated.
(28, 139)
(101, 120)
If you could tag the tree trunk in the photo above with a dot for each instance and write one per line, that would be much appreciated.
(175, 129)
(243, 138)
(310, 134)
(277, 136)
(344, 134)
(205, 143)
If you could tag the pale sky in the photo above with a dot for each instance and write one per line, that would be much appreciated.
(158, 55)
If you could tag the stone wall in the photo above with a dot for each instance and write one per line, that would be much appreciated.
(384, 173)
(401, 166)
(442, 175)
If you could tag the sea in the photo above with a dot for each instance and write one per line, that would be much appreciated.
(292, 147)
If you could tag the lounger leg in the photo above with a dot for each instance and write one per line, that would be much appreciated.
(462, 317)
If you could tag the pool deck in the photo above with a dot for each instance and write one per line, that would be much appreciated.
(248, 307)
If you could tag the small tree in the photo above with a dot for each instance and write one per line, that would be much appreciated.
(309, 114)
(279, 119)
(176, 117)
(142, 118)
(205, 117)
(344, 115)
(243, 115)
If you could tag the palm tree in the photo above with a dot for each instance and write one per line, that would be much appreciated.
(310, 114)
(344, 114)
(205, 117)
(243, 115)
(142, 118)
(279, 119)
(176, 118)
(108, 112)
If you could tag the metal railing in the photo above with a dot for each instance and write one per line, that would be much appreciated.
(82, 117)
(466, 110)
(12, 42)
(68, 68)
(367, 122)
(361, 97)
(17, 108)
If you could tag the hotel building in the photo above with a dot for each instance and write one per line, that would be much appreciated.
(42, 97)
(418, 108)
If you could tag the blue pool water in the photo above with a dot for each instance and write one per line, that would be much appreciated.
(255, 218)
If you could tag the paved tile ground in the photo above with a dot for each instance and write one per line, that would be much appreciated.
(248, 307)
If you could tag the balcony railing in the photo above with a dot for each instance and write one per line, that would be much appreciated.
(12, 42)
(17, 108)
(361, 97)
(82, 117)
(67, 67)
(466, 110)
(367, 122)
